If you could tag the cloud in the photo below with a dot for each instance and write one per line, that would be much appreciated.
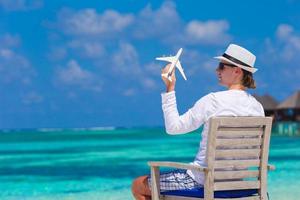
(198, 63)
(289, 42)
(153, 68)
(107, 40)
(280, 56)
(21, 5)
(89, 31)
(87, 48)
(32, 98)
(284, 47)
(14, 67)
(166, 25)
(284, 31)
(126, 65)
(8, 40)
(86, 33)
(149, 83)
(157, 23)
(57, 53)
(74, 75)
(208, 32)
(129, 92)
(125, 60)
(89, 22)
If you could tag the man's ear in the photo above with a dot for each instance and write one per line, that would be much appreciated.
(238, 70)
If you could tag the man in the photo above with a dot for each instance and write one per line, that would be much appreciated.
(235, 72)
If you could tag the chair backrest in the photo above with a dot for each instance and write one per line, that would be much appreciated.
(237, 154)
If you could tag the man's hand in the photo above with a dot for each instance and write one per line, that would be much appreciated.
(170, 86)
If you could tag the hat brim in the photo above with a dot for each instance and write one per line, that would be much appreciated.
(249, 69)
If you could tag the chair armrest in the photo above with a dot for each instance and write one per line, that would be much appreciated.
(177, 165)
(155, 184)
(271, 167)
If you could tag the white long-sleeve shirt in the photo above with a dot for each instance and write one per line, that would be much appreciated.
(224, 103)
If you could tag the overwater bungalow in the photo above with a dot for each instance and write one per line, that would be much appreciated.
(289, 109)
(288, 116)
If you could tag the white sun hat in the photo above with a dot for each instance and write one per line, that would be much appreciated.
(239, 57)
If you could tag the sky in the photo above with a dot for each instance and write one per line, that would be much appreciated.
(76, 64)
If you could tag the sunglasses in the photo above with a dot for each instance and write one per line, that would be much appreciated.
(222, 65)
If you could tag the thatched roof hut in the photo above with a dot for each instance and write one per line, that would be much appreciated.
(267, 101)
(292, 102)
(289, 109)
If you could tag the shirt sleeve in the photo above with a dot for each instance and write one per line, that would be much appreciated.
(189, 121)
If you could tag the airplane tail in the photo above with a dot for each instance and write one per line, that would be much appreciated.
(184, 77)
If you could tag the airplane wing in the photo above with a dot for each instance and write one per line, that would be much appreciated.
(179, 67)
(168, 59)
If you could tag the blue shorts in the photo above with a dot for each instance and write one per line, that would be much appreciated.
(176, 180)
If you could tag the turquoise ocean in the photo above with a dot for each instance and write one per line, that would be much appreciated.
(101, 163)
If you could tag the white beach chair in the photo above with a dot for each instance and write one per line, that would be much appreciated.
(233, 143)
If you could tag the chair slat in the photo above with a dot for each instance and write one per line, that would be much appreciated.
(238, 132)
(223, 175)
(171, 197)
(236, 185)
(243, 198)
(240, 128)
(238, 142)
(237, 153)
(243, 121)
(236, 163)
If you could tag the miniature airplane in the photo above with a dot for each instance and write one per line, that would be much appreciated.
(174, 60)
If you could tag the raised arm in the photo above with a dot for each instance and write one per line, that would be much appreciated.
(189, 121)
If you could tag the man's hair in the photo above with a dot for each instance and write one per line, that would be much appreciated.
(248, 80)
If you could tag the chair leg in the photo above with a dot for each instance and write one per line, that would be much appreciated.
(155, 187)
(208, 186)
